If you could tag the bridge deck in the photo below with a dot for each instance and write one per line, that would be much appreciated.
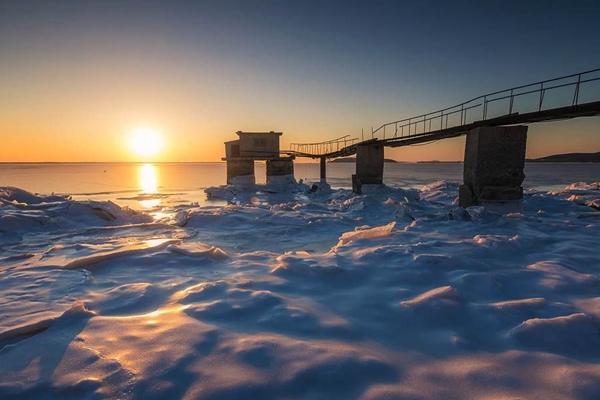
(480, 105)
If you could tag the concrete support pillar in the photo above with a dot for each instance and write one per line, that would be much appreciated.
(240, 172)
(369, 166)
(323, 169)
(280, 171)
(493, 167)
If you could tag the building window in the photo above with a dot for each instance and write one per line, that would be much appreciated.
(260, 142)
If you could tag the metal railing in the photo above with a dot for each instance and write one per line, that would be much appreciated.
(478, 108)
(328, 147)
(532, 97)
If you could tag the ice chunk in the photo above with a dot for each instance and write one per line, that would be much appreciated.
(127, 250)
(367, 233)
(587, 194)
(441, 294)
(575, 333)
(10, 194)
(77, 310)
(557, 276)
(440, 191)
(23, 212)
(198, 250)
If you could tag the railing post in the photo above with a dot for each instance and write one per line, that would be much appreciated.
(576, 95)
(484, 108)
(512, 98)
(542, 91)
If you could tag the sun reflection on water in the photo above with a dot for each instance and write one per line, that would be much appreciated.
(148, 181)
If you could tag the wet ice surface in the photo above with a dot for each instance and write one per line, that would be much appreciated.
(396, 294)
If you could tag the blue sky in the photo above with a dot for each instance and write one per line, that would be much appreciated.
(312, 69)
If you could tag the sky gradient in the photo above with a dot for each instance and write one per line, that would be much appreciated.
(77, 77)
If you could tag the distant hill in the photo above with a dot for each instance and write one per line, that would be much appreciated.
(569, 157)
(353, 159)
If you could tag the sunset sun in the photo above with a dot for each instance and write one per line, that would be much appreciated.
(146, 142)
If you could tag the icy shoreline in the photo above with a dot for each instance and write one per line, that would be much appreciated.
(322, 294)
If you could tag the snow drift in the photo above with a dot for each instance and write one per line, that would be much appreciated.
(301, 294)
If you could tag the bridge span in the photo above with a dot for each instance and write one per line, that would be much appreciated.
(495, 125)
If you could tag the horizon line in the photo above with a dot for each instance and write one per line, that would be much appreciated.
(195, 162)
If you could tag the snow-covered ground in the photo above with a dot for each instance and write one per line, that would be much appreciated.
(396, 294)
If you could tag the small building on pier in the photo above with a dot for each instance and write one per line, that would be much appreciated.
(255, 145)
(240, 155)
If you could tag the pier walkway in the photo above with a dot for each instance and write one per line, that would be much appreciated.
(571, 96)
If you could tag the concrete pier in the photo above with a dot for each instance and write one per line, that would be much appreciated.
(323, 169)
(369, 166)
(240, 172)
(280, 171)
(493, 167)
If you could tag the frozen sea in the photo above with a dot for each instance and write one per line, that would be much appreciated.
(124, 281)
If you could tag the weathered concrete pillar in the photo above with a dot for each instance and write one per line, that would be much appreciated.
(280, 171)
(493, 167)
(240, 172)
(323, 169)
(369, 166)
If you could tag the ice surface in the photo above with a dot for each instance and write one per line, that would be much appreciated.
(301, 293)
(587, 194)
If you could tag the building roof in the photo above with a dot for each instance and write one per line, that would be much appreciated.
(259, 133)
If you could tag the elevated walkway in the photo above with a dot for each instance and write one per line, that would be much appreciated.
(566, 97)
